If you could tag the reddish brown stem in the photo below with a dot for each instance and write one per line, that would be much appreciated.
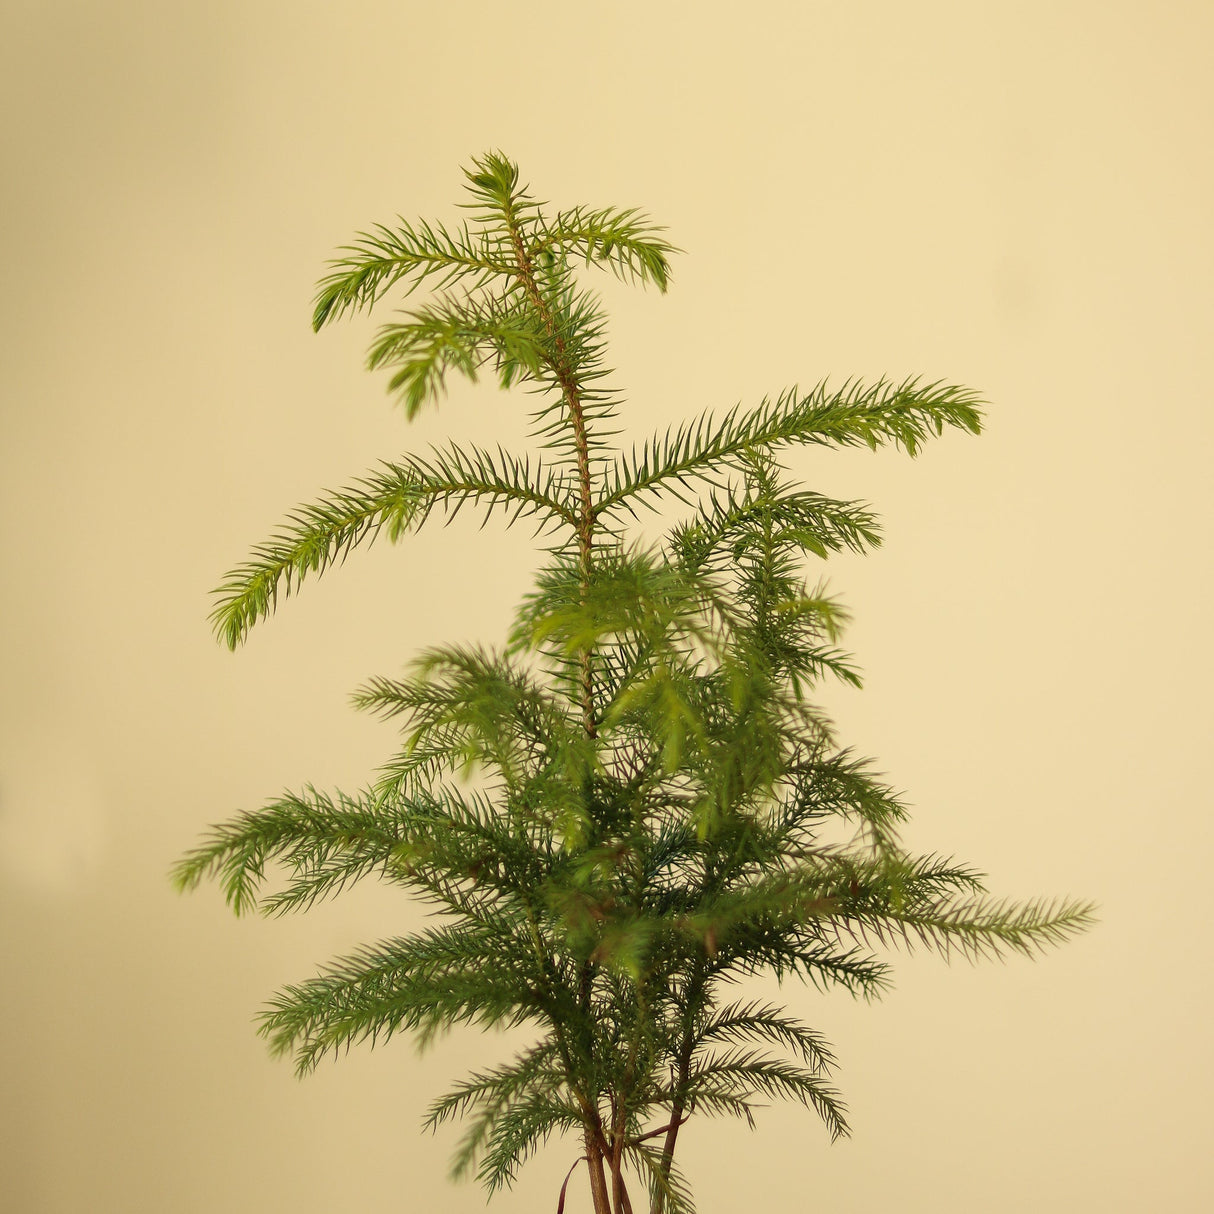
(677, 1117)
(662, 1129)
(596, 1144)
(598, 1178)
(572, 393)
(560, 1204)
(619, 1190)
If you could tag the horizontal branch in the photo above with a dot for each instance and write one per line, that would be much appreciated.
(905, 414)
(977, 928)
(461, 335)
(384, 256)
(399, 498)
(623, 240)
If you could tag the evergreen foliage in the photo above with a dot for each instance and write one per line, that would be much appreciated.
(629, 805)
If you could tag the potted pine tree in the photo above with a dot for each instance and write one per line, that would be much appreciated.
(632, 802)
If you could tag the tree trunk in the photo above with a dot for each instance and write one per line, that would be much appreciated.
(598, 1178)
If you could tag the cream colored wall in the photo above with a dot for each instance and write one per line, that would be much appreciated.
(1013, 196)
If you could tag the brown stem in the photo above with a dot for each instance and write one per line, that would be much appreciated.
(572, 393)
(596, 1145)
(672, 1134)
(560, 1202)
(619, 1191)
(620, 1124)
(598, 1178)
(662, 1129)
(677, 1113)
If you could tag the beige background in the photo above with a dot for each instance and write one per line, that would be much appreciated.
(1013, 196)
